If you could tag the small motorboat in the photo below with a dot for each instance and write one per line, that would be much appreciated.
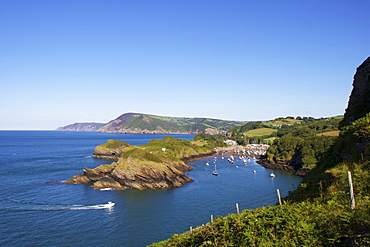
(272, 175)
(102, 206)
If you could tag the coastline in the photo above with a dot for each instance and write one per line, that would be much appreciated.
(283, 167)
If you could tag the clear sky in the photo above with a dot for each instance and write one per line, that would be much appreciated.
(90, 61)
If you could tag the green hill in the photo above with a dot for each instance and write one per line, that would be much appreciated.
(144, 123)
(137, 123)
(321, 211)
(81, 127)
(266, 132)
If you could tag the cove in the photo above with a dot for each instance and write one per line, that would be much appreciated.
(35, 203)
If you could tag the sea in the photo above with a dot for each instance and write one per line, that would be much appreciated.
(38, 209)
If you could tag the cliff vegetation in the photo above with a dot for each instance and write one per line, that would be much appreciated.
(320, 212)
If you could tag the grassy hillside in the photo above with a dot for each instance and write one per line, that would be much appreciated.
(261, 132)
(329, 133)
(318, 213)
(266, 132)
(276, 123)
(144, 123)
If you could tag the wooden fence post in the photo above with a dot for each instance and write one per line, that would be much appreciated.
(352, 195)
(278, 194)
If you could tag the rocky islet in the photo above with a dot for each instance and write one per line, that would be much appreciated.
(157, 165)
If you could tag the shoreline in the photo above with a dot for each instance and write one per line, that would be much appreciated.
(283, 167)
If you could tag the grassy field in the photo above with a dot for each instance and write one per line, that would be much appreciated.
(269, 140)
(260, 132)
(329, 133)
(283, 122)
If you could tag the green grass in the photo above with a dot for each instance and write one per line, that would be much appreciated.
(112, 145)
(260, 132)
(269, 140)
(283, 122)
(330, 133)
(157, 153)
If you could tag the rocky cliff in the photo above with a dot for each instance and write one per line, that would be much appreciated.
(359, 101)
(156, 165)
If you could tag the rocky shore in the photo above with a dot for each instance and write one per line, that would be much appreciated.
(160, 164)
(298, 171)
(156, 165)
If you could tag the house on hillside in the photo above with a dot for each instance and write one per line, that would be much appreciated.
(231, 142)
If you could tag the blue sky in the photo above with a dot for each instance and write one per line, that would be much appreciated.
(91, 61)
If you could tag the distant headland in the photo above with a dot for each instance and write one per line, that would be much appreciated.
(138, 123)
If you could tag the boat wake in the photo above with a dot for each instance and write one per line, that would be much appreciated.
(50, 207)
(109, 205)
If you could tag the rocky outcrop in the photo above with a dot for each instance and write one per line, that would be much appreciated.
(297, 170)
(359, 101)
(156, 165)
(151, 175)
(133, 173)
(113, 149)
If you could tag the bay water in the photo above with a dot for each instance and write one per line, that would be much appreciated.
(38, 209)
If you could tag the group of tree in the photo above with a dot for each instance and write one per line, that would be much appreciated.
(299, 147)
(213, 140)
(242, 134)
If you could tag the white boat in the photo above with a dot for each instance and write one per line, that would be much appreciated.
(207, 164)
(101, 206)
(215, 171)
(272, 175)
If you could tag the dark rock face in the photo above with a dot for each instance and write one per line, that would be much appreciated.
(359, 101)
(132, 174)
(147, 176)
(297, 170)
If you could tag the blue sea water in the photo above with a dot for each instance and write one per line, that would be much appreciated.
(38, 209)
